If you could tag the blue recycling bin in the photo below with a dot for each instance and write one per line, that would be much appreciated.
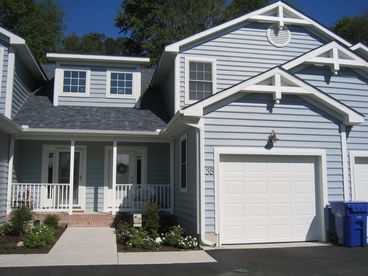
(351, 222)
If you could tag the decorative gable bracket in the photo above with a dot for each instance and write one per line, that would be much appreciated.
(331, 54)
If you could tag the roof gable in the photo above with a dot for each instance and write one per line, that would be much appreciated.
(279, 13)
(278, 82)
(332, 54)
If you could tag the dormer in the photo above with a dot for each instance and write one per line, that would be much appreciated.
(98, 80)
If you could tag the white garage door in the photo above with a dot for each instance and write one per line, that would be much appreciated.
(361, 178)
(267, 199)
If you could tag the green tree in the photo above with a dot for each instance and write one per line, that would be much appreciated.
(148, 25)
(240, 7)
(39, 22)
(353, 29)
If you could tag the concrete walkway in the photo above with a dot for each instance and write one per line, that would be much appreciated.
(97, 246)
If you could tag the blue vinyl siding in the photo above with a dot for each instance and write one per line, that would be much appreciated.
(247, 122)
(245, 51)
(349, 87)
(4, 76)
(28, 164)
(4, 158)
(98, 89)
(186, 202)
(23, 86)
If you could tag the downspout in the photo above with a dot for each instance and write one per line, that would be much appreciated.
(344, 156)
(200, 180)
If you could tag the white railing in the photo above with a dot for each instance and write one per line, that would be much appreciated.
(131, 197)
(40, 197)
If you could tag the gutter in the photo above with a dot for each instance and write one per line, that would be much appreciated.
(26, 129)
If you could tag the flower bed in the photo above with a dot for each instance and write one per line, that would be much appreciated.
(159, 232)
(21, 235)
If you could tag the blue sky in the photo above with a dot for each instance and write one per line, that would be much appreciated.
(84, 16)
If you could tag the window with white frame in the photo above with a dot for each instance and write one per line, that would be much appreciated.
(75, 81)
(121, 83)
(183, 164)
(201, 79)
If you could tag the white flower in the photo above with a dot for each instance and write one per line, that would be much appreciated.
(158, 240)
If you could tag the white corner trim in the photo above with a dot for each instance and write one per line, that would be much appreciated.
(60, 83)
(177, 84)
(182, 138)
(10, 174)
(10, 83)
(1, 68)
(189, 59)
(344, 156)
(353, 155)
(319, 153)
(259, 15)
(136, 84)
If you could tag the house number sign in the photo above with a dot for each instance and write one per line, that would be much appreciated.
(209, 170)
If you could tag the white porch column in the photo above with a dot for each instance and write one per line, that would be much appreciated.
(10, 175)
(172, 174)
(71, 176)
(114, 160)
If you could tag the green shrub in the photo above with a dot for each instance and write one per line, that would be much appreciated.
(139, 238)
(173, 237)
(39, 236)
(151, 217)
(187, 242)
(18, 220)
(122, 232)
(167, 221)
(51, 221)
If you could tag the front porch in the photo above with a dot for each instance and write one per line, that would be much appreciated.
(90, 177)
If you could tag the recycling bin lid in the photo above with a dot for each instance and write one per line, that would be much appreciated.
(357, 206)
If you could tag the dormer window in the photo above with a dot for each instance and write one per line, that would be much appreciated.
(121, 84)
(200, 79)
(74, 82)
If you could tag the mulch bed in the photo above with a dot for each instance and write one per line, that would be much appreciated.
(8, 244)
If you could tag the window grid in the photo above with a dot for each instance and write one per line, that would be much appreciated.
(74, 82)
(200, 80)
(121, 84)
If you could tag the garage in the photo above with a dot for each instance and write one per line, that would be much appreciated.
(361, 178)
(268, 198)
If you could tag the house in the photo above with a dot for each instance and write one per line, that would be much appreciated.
(245, 131)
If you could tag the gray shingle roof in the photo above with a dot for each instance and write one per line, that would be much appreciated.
(38, 112)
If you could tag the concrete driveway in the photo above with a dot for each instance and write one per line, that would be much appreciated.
(329, 260)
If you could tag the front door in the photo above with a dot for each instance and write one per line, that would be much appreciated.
(56, 170)
(130, 170)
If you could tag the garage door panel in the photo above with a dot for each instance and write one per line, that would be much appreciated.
(276, 195)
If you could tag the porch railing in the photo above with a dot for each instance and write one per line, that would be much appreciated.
(131, 197)
(41, 197)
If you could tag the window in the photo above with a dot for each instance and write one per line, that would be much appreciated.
(183, 164)
(121, 84)
(200, 76)
(75, 82)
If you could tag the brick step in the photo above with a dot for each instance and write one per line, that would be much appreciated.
(82, 219)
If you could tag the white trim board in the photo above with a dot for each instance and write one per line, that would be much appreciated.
(100, 58)
(10, 83)
(261, 15)
(353, 155)
(280, 82)
(182, 138)
(319, 153)
(1, 68)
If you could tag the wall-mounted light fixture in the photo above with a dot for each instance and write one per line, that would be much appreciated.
(272, 138)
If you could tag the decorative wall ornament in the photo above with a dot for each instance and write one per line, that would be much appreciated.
(121, 168)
